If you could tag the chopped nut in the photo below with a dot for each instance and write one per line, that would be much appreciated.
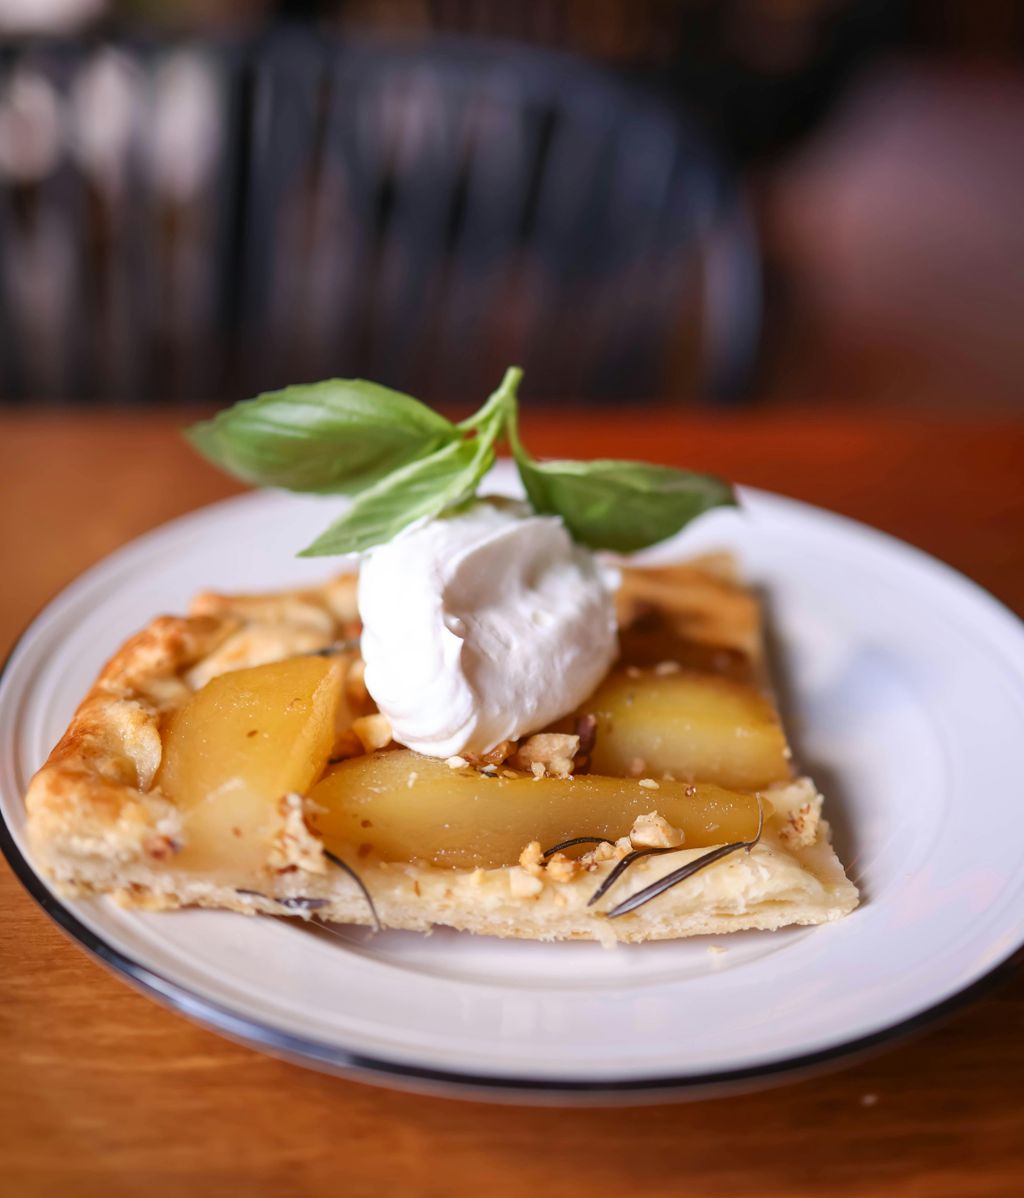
(603, 851)
(373, 731)
(522, 884)
(606, 851)
(649, 784)
(653, 831)
(555, 751)
(456, 762)
(509, 774)
(494, 756)
(801, 826)
(561, 868)
(532, 858)
(537, 769)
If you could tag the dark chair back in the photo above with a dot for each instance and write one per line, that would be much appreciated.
(200, 223)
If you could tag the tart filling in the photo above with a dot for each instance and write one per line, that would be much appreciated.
(234, 758)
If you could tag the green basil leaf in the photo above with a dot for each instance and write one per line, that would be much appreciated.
(335, 437)
(623, 506)
(421, 490)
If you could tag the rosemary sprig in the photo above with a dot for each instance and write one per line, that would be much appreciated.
(669, 880)
(688, 870)
(624, 864)
(568, 844)
(346, 868)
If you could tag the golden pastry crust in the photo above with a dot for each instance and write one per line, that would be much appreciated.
(97, 825)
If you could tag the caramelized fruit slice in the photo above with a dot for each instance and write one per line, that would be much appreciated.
(408, 807)
(242, 742)
(690, 614)
(693, 726)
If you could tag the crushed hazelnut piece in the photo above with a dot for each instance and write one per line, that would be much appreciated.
(603, 851)
(456, 762)
(373, 731)
(606, 851)
(801, 826)
(494, 756)
(537, 769)
(561, 868)
(649, 784)
(532, 858)
(653, 831)
(555, 751)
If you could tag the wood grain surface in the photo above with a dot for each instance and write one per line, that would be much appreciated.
(102, 1092)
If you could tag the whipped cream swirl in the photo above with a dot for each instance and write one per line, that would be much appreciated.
(483, 626)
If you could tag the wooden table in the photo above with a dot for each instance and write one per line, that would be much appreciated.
(104, 1093)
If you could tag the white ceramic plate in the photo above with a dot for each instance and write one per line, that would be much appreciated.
(903, 687)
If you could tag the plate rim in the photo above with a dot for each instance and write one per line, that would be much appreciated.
(350, 1062)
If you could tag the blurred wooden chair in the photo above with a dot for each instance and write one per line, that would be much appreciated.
(226, 222)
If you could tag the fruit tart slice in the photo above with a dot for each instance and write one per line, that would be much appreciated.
(233, 758)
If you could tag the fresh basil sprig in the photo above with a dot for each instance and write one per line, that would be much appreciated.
(403, 463)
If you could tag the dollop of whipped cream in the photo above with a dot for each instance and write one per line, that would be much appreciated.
(483, 626)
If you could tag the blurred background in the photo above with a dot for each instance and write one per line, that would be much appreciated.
(680, 201)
